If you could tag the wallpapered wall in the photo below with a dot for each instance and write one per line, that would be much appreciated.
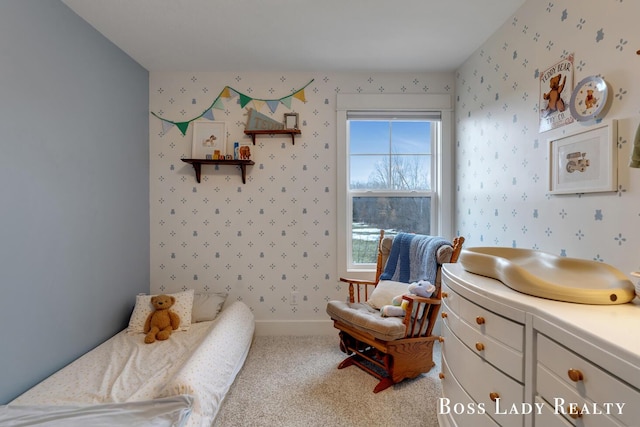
(276, 234)
(502, 159)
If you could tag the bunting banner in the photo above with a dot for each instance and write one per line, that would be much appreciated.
(229, 93)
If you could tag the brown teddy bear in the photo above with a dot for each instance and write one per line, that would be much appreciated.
(555, 101)
(590, 100)
(162, 321)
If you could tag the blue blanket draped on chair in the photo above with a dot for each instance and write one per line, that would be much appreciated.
(413, 257)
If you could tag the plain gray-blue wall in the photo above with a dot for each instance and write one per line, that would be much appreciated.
(74, 189)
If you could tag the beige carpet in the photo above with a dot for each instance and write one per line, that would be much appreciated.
(294, 382)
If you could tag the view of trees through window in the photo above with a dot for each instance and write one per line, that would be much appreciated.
(389, 181)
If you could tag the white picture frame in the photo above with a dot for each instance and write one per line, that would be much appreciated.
(209, 140)
(291, 121)
(584, 161)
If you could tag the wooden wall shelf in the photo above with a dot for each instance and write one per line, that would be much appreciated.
(197, 165)
(292, 132)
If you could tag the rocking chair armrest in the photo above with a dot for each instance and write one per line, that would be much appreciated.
(359, 281)
(418, 299)
(356, 292)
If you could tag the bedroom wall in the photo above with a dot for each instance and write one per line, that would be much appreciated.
(276, 234)
(502, 159)
(74, 179)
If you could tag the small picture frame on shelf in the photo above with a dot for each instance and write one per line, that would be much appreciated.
(209, 140)
(291, 120)
(244, 151)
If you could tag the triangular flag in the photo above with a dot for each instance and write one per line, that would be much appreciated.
(286, 101)
(225, 92)
(232, 93)
(208, 114)
(273, 105)
(258, 103)
(244, 100)
(183, 127)
(300, 95)
(218, 105)
(166, 127)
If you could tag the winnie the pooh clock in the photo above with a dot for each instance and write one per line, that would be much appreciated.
(589, 99)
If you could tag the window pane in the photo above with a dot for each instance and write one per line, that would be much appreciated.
(373, 172)
(368, 172)
(411, 173)
(412, 137)
(393, 214)
(369, 137)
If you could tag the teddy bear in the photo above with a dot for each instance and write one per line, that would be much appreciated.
(555, 101)
(422, 288)
(590, 100)
(245, 152)
(161, 322)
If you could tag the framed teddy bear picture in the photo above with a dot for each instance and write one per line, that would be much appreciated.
(556, 85)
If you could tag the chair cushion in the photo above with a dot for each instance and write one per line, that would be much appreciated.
(361, 316)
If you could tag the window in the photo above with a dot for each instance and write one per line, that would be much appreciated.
(388, 178)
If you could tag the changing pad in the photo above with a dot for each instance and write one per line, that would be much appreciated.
(549, 276)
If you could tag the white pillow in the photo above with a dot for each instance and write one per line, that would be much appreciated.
(182, 307)
(385, 291)
(206, 306)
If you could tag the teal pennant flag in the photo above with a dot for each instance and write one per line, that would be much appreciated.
(183, 127)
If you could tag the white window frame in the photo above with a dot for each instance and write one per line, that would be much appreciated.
(443, 174)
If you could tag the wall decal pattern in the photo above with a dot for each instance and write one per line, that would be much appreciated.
(502, 159)
(277, 233)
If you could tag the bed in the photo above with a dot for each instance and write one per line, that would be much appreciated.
(178, 382)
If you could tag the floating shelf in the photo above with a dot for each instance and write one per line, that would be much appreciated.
(292, 132)
(197, 165)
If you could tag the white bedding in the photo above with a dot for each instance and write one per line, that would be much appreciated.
(201, 362)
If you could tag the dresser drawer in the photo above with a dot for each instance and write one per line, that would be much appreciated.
(450, 298)
(556, 363)
(495, 352)
(564, 400)
(545, 417)
(486, 322)
(449, 316)
(483, 382)
(458, 405)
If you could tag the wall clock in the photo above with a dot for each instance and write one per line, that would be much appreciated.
(589, 99)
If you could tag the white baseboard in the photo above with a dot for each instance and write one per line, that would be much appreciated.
(305, 327)
(295, 327)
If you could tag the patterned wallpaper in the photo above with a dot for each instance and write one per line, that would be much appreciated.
(502, 159)
(276, 234)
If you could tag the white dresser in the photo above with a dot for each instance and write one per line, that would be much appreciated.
(510, 359)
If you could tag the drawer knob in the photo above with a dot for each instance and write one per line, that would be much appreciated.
(574, 412)
(441, 375)
(493, 396)
(445, 295)
(575, 375)
(479, 346)
(444, 315)
(480, 320)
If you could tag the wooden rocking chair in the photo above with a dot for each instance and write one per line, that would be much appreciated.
(389, 348)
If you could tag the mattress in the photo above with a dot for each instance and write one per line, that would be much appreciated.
(201, 362)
